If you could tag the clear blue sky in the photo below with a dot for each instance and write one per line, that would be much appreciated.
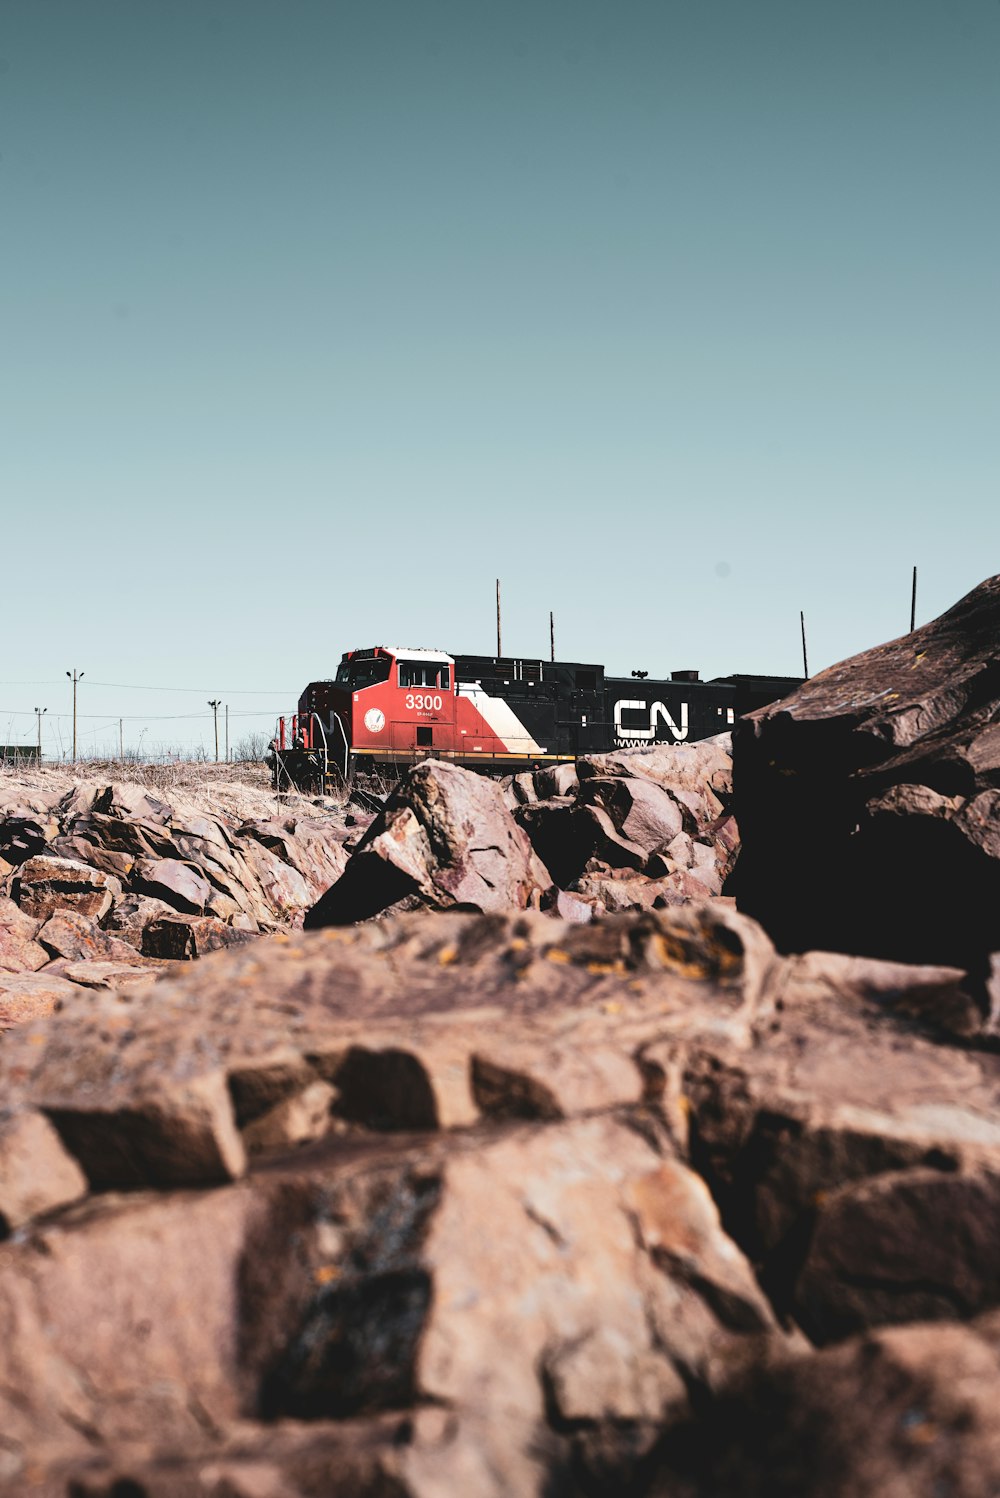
(315, 317)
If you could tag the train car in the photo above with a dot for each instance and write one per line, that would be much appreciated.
(389, 707)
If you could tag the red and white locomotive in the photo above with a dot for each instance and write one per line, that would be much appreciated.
(389, 707)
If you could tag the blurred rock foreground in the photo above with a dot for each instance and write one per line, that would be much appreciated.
(537, 1167)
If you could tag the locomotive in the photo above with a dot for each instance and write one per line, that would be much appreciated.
(388, 708)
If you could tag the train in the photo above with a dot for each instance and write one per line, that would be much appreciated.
(389, 707)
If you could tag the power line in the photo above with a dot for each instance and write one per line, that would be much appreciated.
(145, 717)
(133, 686)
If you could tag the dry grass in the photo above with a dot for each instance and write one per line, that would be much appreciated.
(234, 792)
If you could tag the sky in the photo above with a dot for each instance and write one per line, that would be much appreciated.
(317, 316)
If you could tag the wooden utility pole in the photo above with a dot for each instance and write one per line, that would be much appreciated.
(38, 714)
(552, 635)
(913, 603)
(75, 678)
(215, 704)
(499, 636)
(227, 733)
(805, 659)
(121, 740)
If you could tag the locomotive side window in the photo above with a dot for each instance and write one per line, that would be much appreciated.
(419, 674)
(445, 677)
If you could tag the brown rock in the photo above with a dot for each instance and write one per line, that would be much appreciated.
(27, 996)
(445, 838)
(19, 952)
(184, 937)
(639, 893)
(130, 916)
(642, 811)
(36, 1174)
(178, 884)
(907, 1413)
(867, 803)
(299, 1119)
(109, 975)
(47, 885)
(78, 938)
(530, 1202)
(687, 767)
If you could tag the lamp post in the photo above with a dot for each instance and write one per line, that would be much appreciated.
(75, 678)
(215, 704)
(38, 714)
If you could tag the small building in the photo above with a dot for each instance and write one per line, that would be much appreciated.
(19, 754)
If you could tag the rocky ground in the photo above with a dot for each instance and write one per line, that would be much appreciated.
(534, 1166)
(103, 881)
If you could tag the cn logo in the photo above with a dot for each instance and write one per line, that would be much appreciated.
(654, 711)
(374, 720)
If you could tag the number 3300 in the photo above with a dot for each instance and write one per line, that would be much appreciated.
(423, 702)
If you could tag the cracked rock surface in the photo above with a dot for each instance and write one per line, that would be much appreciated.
(499, 1204)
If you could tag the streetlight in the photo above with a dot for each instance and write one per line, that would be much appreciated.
(215, 704)
(75, 678)
(38, 714)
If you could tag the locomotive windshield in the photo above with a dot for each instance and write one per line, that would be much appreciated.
(363, 673)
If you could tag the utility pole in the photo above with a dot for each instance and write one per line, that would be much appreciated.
(499, 646)
(215, 704)
(75, 676)
(121, 741)
(805, 659)
(38, 714)
(227, 733)
(913, 603)
(552, 635)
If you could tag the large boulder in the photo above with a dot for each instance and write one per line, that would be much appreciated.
(868, 800)
(46, 885)
(445, 838)
(905, 1413)
(77, 938)
(500, 1205)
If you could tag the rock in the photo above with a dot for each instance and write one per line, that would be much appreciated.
(285, 889)
(556, 780)
(19, 952)
(36, 1173)
(306, 845)
(534, 1207)
(137, 838)
(183, 937)
(445, 838)
(643, 812)
(27, 996)
(178, 884)
(109, 975)
(130, 916)
(616, 894)
(562, 839)
(78, 938)
(22, 837)
(520, 790)
(296, 1120)
(47, 885)
(874, 784)
(571, 908)
(906, 1413)
(694, 768)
